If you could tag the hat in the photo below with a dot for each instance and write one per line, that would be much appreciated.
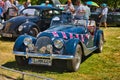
(104, 5)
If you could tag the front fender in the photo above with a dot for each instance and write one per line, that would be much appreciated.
(19, 45)
(70, 46)
(28, 26)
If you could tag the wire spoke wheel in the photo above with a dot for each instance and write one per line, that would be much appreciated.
(100, 44)
(74, 64)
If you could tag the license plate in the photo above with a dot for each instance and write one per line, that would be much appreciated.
(6, 35)
(41, 61)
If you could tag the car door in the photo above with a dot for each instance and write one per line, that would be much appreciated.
(89, 35)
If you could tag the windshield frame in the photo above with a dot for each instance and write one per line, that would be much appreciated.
(30, 10)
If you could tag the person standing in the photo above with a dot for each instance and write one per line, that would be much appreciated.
(103, 15)
(10, 10)
(2, 3)
(87, 12)
(1, 9)
(69, 7)
(6, 7)
(16, 3)
(80, 10)
(27, 3)
(47, 3)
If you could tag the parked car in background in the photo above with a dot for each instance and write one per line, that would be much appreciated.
(31, 21)
(113, 18)
(66, 40)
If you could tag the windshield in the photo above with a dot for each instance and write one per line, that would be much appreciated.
(56, 22)
(30, 12)
(61, 25)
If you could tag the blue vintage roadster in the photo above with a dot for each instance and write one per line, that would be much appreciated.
(66, 40)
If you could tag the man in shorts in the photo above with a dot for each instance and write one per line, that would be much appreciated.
(103, 15)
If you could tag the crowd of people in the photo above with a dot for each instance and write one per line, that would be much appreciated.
(82, 11)
(11, 8)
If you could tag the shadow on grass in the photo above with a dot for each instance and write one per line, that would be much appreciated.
(59, 67)
(34, 68)
(7, 39)
(5, 77)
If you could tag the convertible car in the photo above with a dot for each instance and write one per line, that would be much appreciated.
(31, 21)
(66, 40)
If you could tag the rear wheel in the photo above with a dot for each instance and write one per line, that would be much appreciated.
(100, 44)
(21, 60)
(33, 32)
(74, 64)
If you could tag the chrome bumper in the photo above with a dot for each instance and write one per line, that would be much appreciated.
(7, 35)
(38, 55)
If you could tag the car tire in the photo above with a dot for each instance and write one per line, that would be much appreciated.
(21, 60)
(74, 64)
(33, 32)
(2, 37)
(100, 44)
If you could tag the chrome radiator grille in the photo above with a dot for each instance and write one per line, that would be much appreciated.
(7, 26)
(42, 42)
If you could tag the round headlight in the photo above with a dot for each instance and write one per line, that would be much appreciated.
(20, 28)
(28, 41)
(1, 26)
(58, 43)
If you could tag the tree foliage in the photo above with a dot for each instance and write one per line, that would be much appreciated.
(110, 3)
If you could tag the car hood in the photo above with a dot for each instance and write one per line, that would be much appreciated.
(62, 30)
(17, 21)
(22, 19)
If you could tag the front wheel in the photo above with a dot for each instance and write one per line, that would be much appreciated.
(33, 32)
(21, 60)
(74, 64)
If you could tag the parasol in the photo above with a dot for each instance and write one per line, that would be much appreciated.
(92, 3)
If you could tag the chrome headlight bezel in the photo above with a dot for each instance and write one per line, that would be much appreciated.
(58, 43)
(1, 26)
(27, 41)
(20, 28)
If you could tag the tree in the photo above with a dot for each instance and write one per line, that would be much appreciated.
(110, 3)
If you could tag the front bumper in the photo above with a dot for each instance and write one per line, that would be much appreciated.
(9, 35)
(38, 55)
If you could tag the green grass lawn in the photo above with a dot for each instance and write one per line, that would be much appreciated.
(103, 66)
